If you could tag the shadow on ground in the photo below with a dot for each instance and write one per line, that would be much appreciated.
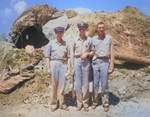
(113, 99)
(129, 66)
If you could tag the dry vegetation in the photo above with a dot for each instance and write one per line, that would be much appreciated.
(129, 27)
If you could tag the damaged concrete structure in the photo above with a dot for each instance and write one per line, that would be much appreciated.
(27, 28)
(31, 36)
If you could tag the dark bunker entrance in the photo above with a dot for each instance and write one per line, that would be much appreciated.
(32, 36)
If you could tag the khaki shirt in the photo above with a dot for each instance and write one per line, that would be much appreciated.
(101, 46)
(81, 46)
(57, 51)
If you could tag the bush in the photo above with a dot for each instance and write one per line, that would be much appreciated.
(4, 38)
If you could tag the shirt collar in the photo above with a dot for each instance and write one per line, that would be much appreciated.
(79, 39)
(102, 38)
(82, 39)
(59, 43)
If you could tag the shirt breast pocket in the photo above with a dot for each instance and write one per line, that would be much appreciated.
(96, 45)
(106, 46)
(77, 48)
(54, 49)
(62, 53)
(86, 47)
(105, 49)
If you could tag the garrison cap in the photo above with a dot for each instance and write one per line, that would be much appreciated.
(59, 29)
(82, 24)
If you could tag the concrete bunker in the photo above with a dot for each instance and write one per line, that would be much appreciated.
(31, 36)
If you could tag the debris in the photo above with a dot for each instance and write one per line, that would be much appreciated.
(122, 90)
(27, 28)
(132, 59)
(12, 78)
(29, 49)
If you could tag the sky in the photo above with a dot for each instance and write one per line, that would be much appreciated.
(11, 9)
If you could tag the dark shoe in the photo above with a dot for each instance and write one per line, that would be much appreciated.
(86, 109)
(53, 109)
(66, 109)
(79, 108)
(93, 106)
(106, 108)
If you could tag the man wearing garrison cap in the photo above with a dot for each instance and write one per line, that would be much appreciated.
(57, 59)
(82, 53)
(83, 24)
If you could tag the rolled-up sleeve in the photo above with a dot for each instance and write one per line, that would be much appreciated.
(47, 50)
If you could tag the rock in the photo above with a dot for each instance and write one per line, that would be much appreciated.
(116, 74)
(29, 49)
(71, 86)
(147, 78)
(132, 73)
(40, 66)
(48, 95)
(74, 20)
(35, 99)
(13, 56)
(26, 101)
(35, 95)
(48, 28)
(136, 108)
(50, 86)
(122, 90)
(140, 74)
(58, 14)
(71, 33)
(71, 13)
(47, 105)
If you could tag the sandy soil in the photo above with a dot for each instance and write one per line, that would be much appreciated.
(126, 100)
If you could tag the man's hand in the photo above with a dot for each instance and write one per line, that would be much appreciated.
(49, 72)
(111, 69)
(84, 56)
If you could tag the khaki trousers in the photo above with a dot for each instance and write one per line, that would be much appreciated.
(58, 71)
(82, 69)
(100, 70)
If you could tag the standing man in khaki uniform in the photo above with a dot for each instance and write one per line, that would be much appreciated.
(82, 53)
(103, 47)
(57, 57)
